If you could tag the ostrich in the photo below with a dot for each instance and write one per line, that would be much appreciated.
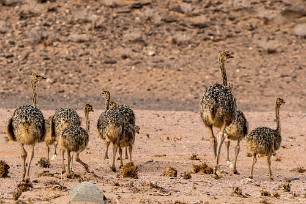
(129, 130)
(110, 126)
(129, 116)
(236, 131)
(218, 108)
(63, 118)
(27, 126)
(74, 138)
(264, 140)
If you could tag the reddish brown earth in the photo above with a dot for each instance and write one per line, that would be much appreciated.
(158, 57)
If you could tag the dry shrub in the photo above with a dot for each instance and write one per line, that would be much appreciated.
(186, 175)
(276, 194)
(286, 187)
(170, 172)
(4, 169)
(129, 170)
(264, 192)
(43, 162)
(238, 191)
(204, 168)
(194, 156)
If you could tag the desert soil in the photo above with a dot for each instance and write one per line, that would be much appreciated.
(158, 57)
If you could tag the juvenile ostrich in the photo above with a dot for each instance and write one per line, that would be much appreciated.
(74, 138)
(129, 131)
(264, 140)
(63, 118)
(218, 108)
(102, 120)
(110, 126)
(27, 126)
(129, 116)
(236, 131)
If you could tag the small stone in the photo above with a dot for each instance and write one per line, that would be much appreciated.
(88, 193)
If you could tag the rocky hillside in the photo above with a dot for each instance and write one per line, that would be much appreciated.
(152, 54)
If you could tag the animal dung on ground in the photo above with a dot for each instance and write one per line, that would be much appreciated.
(204, 168)
(170, 172)
(129, 170)
(4, 169)
(44, 162)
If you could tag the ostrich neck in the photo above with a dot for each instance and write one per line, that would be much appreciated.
(106, 104)
(278, 125)
(87, 121)
(223, 73)
(34, 95)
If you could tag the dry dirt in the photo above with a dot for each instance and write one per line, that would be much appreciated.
(158, 57)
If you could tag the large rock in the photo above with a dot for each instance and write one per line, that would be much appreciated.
(87, 192)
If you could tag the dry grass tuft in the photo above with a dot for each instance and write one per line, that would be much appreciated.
(43, 162)
(238, 191)
(285, 186)
(170, 172)
(4, 169)
(186, 175)
(204, 168)
(129, 170)
(264, 192)
(194, 156)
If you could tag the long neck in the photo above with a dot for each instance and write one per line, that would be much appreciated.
(278, 125)
(223, 72)
(34, 95)
(106, 104)
(87, 120)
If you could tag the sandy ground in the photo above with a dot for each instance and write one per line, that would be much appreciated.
(169, 138)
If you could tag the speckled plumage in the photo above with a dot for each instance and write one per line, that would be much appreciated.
(128, 113)
(110, 126)
(218, 108)
(102, 121)
(236, 131)
(128, 139)
(265, 140)
(218, 105)
(27, 126)
(129, 118)
(63, 118)
(239, 128)
(74, 138)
